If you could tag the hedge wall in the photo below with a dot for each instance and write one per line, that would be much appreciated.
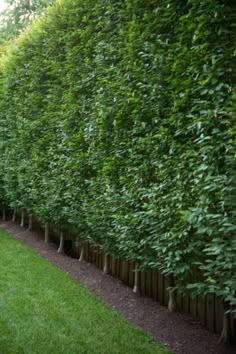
(117, 122)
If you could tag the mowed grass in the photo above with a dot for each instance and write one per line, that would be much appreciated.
(43, 310)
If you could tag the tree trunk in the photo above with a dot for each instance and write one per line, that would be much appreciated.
(172, 302)
(136, 288)
(61, 245)
(14, 215)
(81, 258)
(4, 214)
(225, 336)
(172, 298)
(30, 222)
(105, 267)
(22, 219)
(46, 233)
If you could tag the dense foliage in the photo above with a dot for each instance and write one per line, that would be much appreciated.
(117, 120)
(17, 15)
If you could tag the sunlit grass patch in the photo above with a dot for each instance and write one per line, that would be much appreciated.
(43, 310)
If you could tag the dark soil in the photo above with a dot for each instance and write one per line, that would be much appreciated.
(178, 331)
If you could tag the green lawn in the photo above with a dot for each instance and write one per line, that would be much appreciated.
(43, 310)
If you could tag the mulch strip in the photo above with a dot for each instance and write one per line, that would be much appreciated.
(178, 331)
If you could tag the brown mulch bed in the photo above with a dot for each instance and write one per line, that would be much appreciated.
(178, 331)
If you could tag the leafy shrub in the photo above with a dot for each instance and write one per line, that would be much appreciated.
(117, 120)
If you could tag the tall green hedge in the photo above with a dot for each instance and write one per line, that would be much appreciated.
(118, 121)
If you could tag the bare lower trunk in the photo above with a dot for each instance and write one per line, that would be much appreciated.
(172, 298)
(105, 267)
(81, 258)
(136, 288)
(46, 233)
(3, 214)
(61, 245)
(22, 223)
(172, 302)
(14, 215)
(225, 336)
(30, 222)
